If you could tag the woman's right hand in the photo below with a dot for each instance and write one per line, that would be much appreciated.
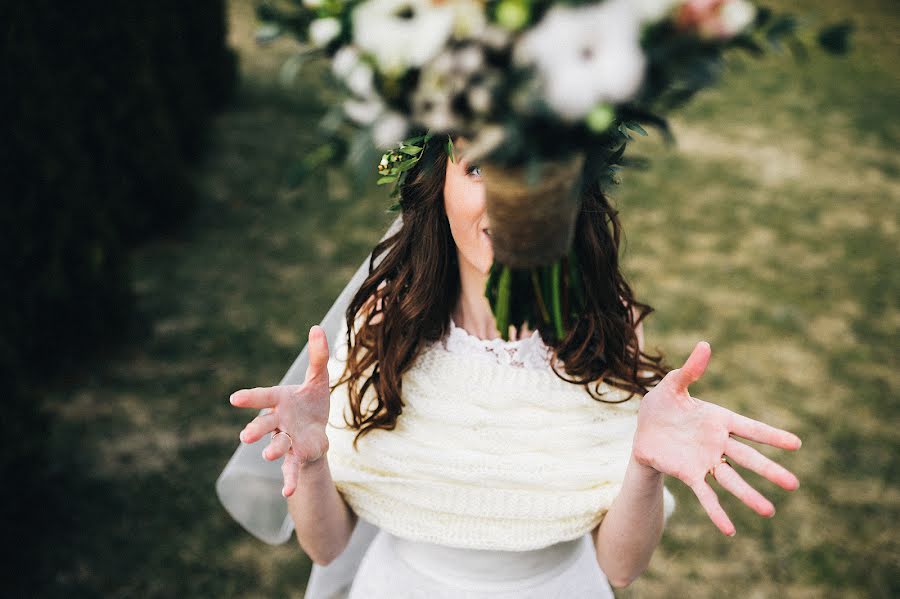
(299, 410)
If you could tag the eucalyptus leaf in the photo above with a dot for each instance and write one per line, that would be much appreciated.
(636, 127)
(624, 131)
(450, 150)
(405, 165)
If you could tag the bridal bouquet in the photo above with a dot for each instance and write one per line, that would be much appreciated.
(548, 92)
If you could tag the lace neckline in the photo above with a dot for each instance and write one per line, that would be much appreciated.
(528, 352)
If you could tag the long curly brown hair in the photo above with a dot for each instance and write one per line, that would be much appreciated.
(407, 298)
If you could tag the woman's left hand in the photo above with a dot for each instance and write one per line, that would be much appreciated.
(685, 437)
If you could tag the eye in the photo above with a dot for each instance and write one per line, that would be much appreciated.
(473, 169)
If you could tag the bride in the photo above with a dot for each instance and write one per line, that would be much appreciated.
(494, 468)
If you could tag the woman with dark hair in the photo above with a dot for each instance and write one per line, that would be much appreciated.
(495, 468)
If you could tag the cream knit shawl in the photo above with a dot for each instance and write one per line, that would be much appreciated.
(484, 456)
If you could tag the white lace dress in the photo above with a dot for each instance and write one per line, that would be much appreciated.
(397, 568)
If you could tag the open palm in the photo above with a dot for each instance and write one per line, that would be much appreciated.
(685, 437)
(299, 410)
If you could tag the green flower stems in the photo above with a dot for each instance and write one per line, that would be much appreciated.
(554, 295)
(501, 311)
(538, 295)
(555, 300)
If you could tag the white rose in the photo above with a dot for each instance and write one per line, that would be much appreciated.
(322, 31)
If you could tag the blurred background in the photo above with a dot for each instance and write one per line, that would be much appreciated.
(157, 255)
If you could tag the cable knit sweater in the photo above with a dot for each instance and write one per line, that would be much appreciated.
(486, 454)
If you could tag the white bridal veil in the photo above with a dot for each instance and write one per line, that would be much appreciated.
(250, 487)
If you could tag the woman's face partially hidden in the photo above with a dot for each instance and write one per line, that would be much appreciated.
(464, 204)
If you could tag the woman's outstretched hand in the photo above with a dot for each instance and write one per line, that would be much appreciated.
(299, 410)
(684, 437)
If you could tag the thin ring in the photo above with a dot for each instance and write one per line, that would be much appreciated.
(291, 439)
(722, 460)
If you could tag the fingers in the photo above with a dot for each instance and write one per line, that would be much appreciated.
(750, 458)
(726, 476)
(760, 431)
(259, 426)
(318, 354)
(710, 503)
(258, 397)
(694, 366)
(289, 473)
(278, 447)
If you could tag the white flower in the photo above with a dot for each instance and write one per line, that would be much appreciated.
(585, 55)
(389, 129)
(363, 112)
(715, 19)
(495, 37)
(358, 76)
(312, 3)
(469, 59)
(401, 33)
(343, 61)
(653, 11)
(469, 20)
(480, 99)
(445, 77)
(433, 110)
(736, 15)
(361, 80)
(322, 31)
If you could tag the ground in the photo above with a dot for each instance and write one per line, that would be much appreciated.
(770, 231)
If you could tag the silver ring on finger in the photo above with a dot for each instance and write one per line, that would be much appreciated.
(280, 432)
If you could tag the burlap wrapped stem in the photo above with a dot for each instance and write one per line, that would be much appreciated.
(532, 225)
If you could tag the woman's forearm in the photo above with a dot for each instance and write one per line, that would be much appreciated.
(632, 528)
(322, 519)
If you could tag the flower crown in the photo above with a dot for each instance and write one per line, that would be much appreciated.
(395, 163)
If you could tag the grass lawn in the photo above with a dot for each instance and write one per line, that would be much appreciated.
(771, 232)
